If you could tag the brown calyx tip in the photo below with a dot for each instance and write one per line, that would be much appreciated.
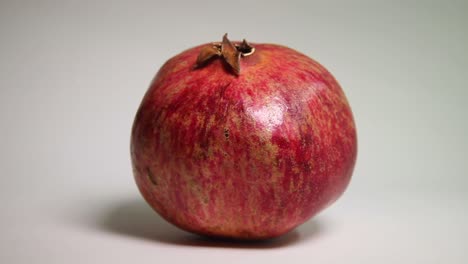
(231, 53)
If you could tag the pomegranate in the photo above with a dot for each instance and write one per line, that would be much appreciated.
(243, 141)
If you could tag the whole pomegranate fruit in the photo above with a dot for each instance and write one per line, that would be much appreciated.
(242, 141)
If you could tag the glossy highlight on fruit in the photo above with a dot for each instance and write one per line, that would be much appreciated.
(244, 154)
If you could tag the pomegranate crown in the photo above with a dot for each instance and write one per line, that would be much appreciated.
(228, 51)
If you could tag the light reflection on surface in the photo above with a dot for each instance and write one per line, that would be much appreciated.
(269, 115)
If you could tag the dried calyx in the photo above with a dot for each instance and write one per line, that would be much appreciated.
(231, 53)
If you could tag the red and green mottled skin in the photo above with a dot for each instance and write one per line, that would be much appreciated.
(246, 157)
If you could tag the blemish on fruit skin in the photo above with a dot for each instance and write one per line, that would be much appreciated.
(204, 146)
(151, 177)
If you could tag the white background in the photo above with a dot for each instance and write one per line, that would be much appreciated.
(72, 74)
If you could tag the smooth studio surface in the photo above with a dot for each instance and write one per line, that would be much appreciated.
(72, 74)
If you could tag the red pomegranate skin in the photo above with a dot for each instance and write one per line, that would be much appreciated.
(248, 156)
